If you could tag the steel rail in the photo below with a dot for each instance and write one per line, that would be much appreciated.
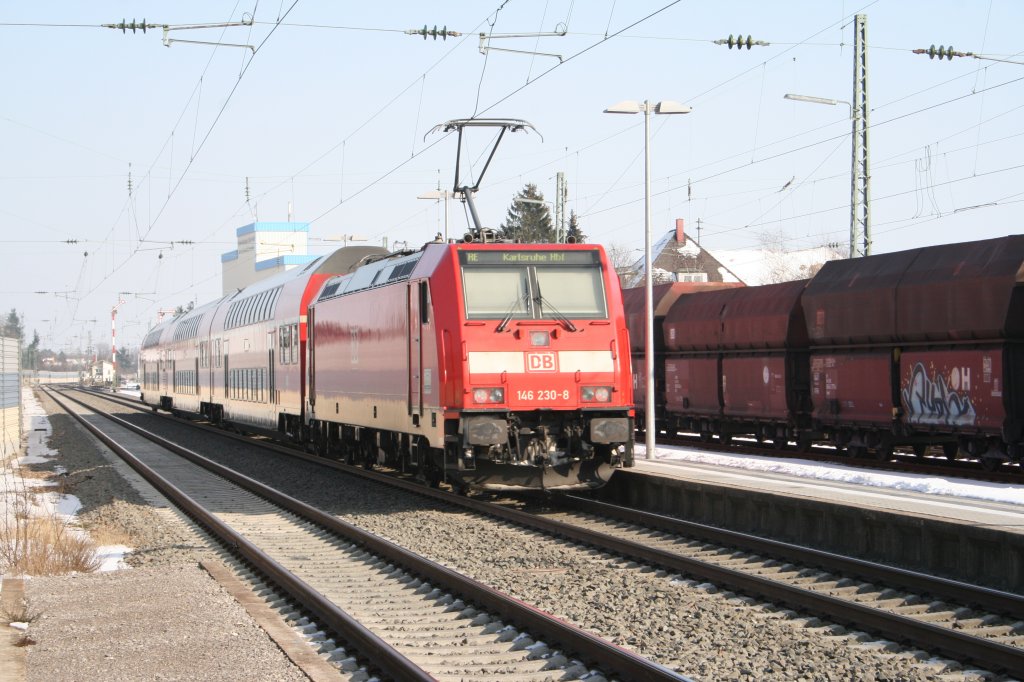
(1006, 603)
(380, 653)
(613, 658)
(893, 626)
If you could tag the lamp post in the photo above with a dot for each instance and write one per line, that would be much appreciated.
(646, 107)
(439, 194)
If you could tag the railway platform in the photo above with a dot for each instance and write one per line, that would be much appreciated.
(978, 540)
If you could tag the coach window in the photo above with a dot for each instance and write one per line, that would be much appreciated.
(264, 306)
(216, 353)
(243, 312)
(295, 343)
(424, 303)
(284, 343)
(261, 306)
(247, 311)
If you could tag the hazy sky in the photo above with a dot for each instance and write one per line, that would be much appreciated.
(330, 112)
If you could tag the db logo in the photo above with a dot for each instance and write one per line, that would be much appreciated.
(541, 362)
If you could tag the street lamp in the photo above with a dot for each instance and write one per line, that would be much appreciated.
(818, 100)
(439, 194)
(634, 107)
(859, 177)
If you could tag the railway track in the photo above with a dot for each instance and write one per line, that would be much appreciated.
(408, 617)
(964, 622)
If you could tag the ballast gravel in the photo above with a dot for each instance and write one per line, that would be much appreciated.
(163, 619)
(690, 627)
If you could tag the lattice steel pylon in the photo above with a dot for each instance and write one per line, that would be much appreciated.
(860, 185)
(561, 196)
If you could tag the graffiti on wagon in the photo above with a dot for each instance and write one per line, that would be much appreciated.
(931, 400)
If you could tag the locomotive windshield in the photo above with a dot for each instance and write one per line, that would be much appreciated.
(533, 285)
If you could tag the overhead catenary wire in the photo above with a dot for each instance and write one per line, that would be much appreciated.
(199, 148)
(823, 141)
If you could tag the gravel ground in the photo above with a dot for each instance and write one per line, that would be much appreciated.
(692, 628)
(163, 619)
(163, 622)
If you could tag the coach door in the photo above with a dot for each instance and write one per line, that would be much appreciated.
(417, 313)
(271, 375)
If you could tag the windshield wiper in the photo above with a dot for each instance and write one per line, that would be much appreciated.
(555, 312)
(508, 315)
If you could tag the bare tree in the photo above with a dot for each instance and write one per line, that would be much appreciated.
(782, 266)
(778, 267)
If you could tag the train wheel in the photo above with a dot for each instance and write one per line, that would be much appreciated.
(434, 477)
(990, 464)
(725, 439)
(705, 436)
(919, 449)
(857, 451)
(320, 444)
(950, 450)
(883, 453)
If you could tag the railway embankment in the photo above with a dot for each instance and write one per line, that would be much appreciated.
(975, 553)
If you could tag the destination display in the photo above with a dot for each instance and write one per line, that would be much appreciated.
(589, 257)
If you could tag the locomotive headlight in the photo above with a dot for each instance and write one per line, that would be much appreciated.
(596, 394)
(483, 396)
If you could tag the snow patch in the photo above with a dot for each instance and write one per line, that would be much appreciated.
(689, 249)
(802, 468)
(32, 496)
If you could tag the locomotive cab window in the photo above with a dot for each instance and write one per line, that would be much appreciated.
(533, 285)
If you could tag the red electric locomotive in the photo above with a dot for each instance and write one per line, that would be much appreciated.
(497, 366)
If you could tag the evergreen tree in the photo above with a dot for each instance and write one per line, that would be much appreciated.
(30, 356)
(573, 233)
(528, 221)
(12, 327)
(127, 361)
